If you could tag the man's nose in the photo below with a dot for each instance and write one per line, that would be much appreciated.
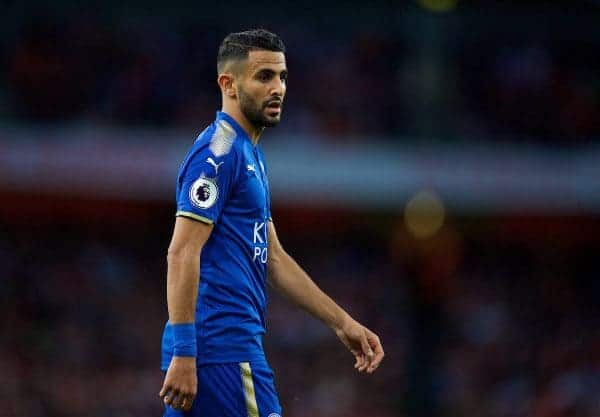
(278, 88)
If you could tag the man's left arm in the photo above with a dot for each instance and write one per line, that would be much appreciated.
(286, 276)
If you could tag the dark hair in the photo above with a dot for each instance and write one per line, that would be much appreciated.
(236, 46)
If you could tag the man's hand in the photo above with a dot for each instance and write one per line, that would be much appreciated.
(181, 383)
(363, 343)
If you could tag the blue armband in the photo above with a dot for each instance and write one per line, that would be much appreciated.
(184, 339)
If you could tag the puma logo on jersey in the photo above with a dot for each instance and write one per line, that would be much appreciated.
(214, 164)
(250, 167)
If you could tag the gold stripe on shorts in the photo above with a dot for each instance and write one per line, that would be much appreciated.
(248, 384)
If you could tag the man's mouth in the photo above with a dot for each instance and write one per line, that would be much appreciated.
(274, 104)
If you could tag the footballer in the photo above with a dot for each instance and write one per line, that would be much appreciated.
(225, 249)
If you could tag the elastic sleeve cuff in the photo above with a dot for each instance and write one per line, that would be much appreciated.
(194, 216)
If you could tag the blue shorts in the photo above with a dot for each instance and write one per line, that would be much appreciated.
(244, 389)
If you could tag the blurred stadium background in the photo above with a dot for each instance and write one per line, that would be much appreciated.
(437, 171)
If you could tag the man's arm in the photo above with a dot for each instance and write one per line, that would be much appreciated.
(183, 270)
(286, 276)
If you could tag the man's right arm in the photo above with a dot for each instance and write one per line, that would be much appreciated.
(183, 270)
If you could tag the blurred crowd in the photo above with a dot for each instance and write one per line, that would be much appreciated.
(493, 82)
(472, 325)
(484, 319)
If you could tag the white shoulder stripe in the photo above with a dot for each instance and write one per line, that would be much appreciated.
(222, 139)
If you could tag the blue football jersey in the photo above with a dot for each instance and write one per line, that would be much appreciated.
(223, 181)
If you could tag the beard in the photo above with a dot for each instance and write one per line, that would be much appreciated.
(255, 113)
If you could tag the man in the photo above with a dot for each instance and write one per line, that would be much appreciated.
(224, 245)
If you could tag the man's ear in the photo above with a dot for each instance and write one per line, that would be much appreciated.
(227, 84)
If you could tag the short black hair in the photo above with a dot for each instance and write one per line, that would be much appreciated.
(236, 46)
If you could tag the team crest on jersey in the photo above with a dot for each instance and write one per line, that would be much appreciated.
(204, 193)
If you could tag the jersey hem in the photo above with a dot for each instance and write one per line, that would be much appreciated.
(257, 357)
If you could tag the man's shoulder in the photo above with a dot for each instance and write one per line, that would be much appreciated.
(217, 149)
(218, 140)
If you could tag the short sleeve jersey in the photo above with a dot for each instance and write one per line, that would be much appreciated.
(223, 181)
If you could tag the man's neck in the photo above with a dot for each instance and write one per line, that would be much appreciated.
(252, 131)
